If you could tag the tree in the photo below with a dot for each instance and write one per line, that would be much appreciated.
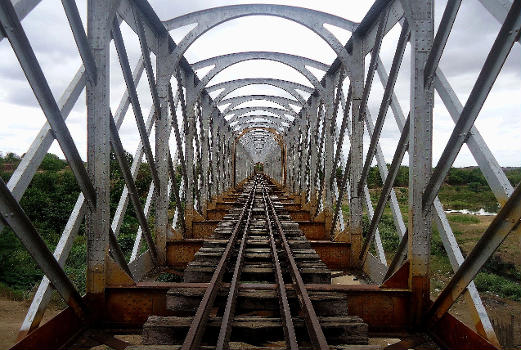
(51, 162)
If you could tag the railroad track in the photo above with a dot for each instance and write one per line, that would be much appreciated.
(257, 264)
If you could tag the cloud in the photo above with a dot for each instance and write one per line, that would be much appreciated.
(469, 43)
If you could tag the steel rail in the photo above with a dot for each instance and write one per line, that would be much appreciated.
(310, 317)
(229, 310)
(285, 311)
(196, 331)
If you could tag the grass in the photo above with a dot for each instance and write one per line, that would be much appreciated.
(500, 275)
(490, 282)
(464, 219)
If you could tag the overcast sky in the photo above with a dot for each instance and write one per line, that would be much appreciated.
(474, 32)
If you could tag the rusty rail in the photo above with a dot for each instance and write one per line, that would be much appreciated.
(198, 326)
(312, 323)
(285, 312)
(229, 311)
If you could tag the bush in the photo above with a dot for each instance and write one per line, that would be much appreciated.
(464, 176)
(51, 162)
(17, 268)
(514, 176)
(437, 247)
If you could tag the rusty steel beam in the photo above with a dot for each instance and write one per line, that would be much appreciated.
(334, 254)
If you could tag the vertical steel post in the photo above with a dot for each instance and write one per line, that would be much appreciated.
(420, 17)
(98, 145)
(216, 150)
(206, 110)
(357, 132)
(162, 134)
(188, 81)
(329, 128)
(313, 117)
(303, 156)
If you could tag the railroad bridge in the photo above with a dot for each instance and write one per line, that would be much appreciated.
(245, 203)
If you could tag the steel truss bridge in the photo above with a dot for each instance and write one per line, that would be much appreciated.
(214, 143)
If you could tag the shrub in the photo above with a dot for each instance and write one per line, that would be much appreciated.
(51, 162)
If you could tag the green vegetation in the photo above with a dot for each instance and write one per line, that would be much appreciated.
(463, 219)
(465, 197)
(48, 201)
(168, 277)
(464, 188)
(490, 282)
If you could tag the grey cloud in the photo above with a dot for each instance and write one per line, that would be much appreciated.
(469, 43)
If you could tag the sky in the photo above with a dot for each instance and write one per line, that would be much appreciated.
(472, 37)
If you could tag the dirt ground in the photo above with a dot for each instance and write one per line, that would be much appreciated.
(12, 314)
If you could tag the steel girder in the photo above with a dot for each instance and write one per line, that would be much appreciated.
(233, 102)
(232, 85)
(220, 63)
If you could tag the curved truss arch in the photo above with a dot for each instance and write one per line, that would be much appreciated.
(238, 100)
(259, 125)
(253, 135)
(282, 113)
(228, 87)
(260, 119)
(210, 18)
(220, 63)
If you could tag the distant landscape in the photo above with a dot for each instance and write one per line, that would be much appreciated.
(463, 189)
(53, 191)
(48, 201)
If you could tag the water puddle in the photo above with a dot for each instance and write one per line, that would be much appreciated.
(481, 212)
